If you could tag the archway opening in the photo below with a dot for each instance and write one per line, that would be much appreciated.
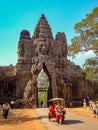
(43, 85)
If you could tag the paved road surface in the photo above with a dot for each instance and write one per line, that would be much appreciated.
(72, 121)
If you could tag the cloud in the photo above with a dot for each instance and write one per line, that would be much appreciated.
(88, 54)
(81, 57)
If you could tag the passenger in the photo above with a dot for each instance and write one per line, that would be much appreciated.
(52, 110)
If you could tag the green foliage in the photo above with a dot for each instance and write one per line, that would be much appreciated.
(91, 68)
(87, 38)
(43, 98)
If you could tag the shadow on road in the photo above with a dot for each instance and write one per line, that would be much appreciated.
(69, 122)
(16, 118)
(41, 117)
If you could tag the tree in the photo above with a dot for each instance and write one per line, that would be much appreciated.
(91, 68)
(87, 38)
(43, 98)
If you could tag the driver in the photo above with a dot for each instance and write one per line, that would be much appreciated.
(59, 107)
(59, 110)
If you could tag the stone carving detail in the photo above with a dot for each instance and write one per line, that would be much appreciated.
(29, 90)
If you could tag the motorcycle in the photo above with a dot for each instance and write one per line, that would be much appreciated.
(60, 116)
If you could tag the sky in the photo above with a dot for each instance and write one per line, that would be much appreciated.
(18, 15)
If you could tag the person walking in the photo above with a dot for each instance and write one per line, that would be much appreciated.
(12, 104)
(5, 108)
(97, 109)
(0, 107)
(94, 108)
(84, 105)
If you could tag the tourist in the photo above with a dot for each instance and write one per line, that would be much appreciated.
(0, 107)
(84, 105)
(94, 108)
(44, 104)
(70, 104)
(90, 105)
(12, 104)
(5, 108)
(87, 100)
(41, 103)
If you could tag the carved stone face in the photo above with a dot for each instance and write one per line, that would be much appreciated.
(42, 48)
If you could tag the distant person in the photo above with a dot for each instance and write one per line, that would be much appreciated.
(84, 100)
(44, 104)
(97, 109)
(94, 108)
(41, 103)
(84, 105)
(0, 107)
(5, 108)
(70, 104)
(90, 105)
(12, 104)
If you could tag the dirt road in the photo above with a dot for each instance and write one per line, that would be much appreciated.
(72, 121)
(29, 119)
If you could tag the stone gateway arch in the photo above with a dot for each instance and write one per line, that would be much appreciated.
(44, 52)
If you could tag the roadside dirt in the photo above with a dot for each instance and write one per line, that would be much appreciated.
(21, 119)
(82, 112)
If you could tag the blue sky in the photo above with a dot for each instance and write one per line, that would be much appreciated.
(17, 15)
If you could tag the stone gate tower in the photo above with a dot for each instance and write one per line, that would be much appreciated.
(42, 51)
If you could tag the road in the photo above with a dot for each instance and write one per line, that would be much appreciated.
(72, 121)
